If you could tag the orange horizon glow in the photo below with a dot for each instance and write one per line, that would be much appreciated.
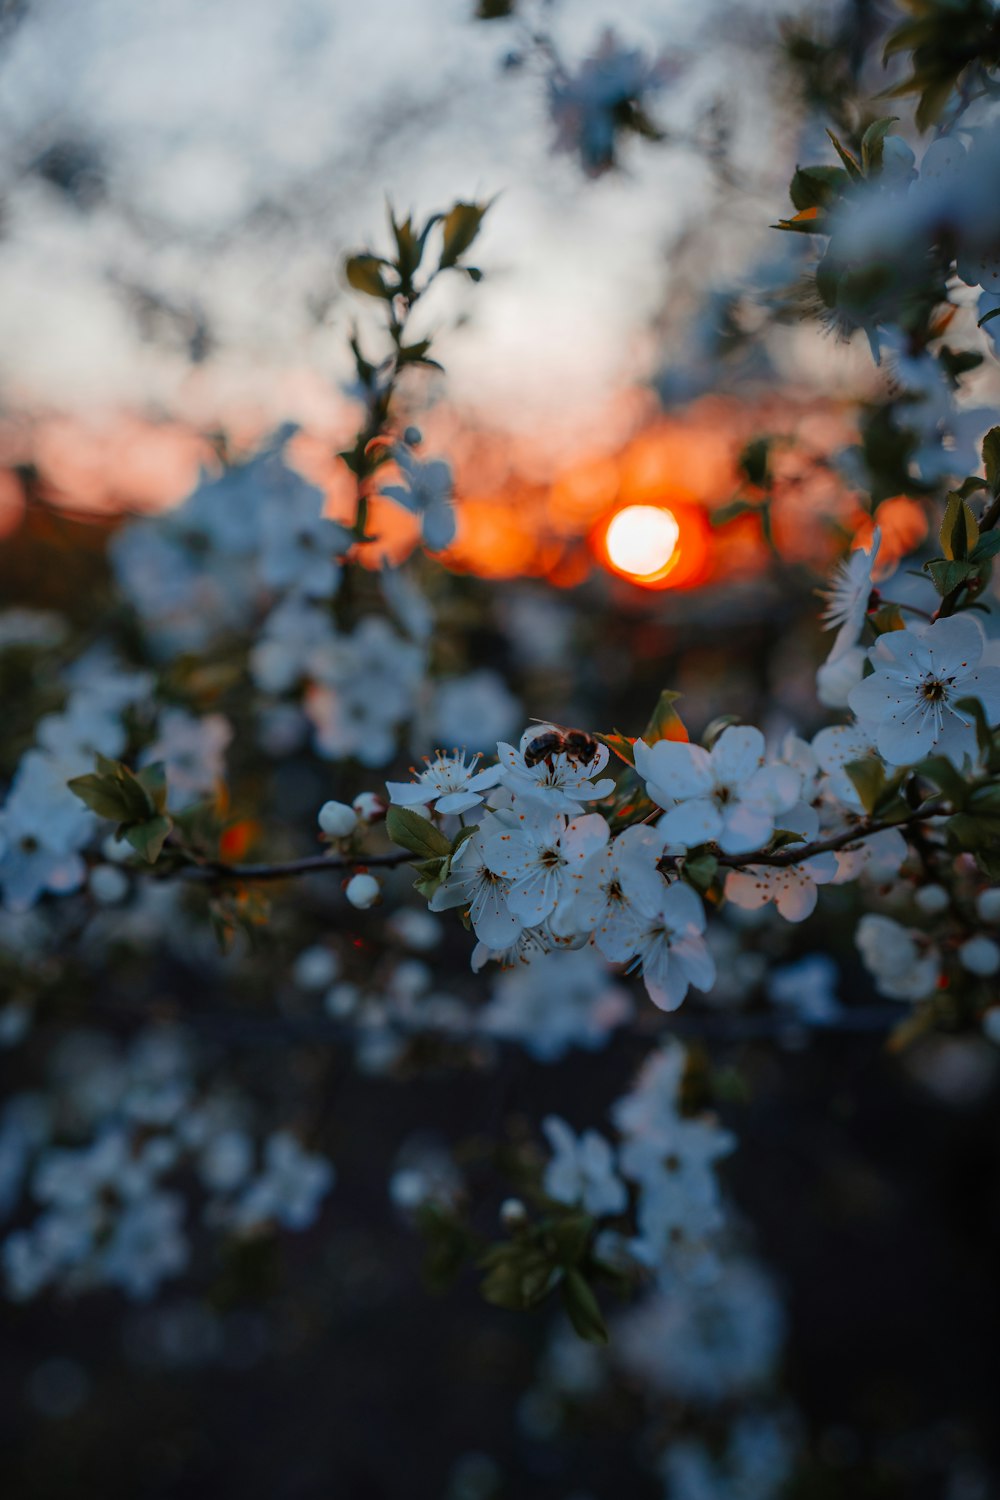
(638, 507)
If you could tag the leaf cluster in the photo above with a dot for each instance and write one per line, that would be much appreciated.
(135, 800)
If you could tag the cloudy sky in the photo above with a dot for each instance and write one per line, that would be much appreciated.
(188, 176)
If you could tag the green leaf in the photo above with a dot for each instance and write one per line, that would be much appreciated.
(571, 1237)
(148, 838)
(115, 792)
(754, 461)
(619, 744)
(718, 726)
(430, 875)
(817, 187)
(946, 576)
(461, 225)
(411, 831)
(868, 777)
(583, 1308)
(153, 780)
(102, 794)
(782, 837)
(851, 163)
(364, 272)
(700, 870)
(988, 546)
(946, 777)
(984, 736)
(959, 529)
(991, 459)
(873, 143)
(887, 619)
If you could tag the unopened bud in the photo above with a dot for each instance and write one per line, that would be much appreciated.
(337, 819)
(513, 1214)
(369, 807)
(362, 891)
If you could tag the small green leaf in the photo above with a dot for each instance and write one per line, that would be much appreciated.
(461, 225)
(102, 794)
(947, 576)
(153, 780)
(583, 1308)
(148, 838)
(364, 272)
(718, 726)
(754, 461)
(868, 777)
(984, 736)
(939, 770)
(411, 831)
(700, 870)
(873, 143)
(851, 163)
(620, 745)
(959, 529)
(988, 546)
(782, 837)
(991, 459)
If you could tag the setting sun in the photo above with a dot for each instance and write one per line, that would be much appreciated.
(641, 540)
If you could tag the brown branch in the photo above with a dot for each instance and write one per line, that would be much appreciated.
(215, 871)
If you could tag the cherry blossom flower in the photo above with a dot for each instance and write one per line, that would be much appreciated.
(920, 674)
(903, 966)
(582, 1170)
(671, 950)
(541, 856)
(616, 889)
(556, 1002)
(427, 492)
(792, 888)
(847, 597)
(448, 784)
(562, 782)
(471, 884)
(835, 678)
(726, 795)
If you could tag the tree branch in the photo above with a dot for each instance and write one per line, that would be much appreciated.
(215, 871)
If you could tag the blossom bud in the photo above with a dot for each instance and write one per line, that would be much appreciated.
(980, 955)
(932, 898)
(337, 819)
(316, 968)
(988, 904)
(108, 884)
(513, 1214)
(369, 807)
(362, 891)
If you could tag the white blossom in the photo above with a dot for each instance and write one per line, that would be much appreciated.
(727, 795)
(920, 675)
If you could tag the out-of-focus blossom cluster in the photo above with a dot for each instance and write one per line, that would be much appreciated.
(92, 1170)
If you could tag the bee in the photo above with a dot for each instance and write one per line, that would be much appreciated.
(575, 744)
